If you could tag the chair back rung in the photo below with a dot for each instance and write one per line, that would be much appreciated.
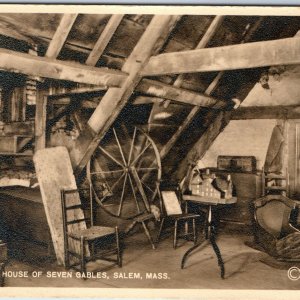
(70, 191)
(74, 254)
(77, 221)
(74, 207)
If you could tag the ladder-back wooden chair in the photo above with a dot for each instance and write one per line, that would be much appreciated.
(87, 237)
(171, 208)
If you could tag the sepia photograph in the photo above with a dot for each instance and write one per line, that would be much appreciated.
(149, 149)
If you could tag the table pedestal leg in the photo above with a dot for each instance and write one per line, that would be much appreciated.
(210, 232)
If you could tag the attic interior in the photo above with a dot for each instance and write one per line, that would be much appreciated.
(144, 120)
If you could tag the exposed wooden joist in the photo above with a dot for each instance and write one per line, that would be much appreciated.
(18, 128)
(146, 100)
(82, 103)
(115, 98)
(104, 39)
(241, 56)
(78, 91)
(266, 112)
(162, 90)
(17, 62)
(60, 35)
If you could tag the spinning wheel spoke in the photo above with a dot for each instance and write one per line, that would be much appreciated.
(143, 183)
(146, 169)
(131, 146)
(112, 188)
(134, 195)
(111, 157)
(122, 195)
(140, 154)
(140, 188)
(119, 146)
(107, 172)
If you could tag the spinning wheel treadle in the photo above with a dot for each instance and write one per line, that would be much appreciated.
(124, 172)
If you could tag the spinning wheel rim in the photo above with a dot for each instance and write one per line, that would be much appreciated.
(129, 174)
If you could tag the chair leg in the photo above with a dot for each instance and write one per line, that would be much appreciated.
(194, 231)
(175, 234)
(119, 255)
(160, 229)
(82, 257)
(67, 256)
(148, 234)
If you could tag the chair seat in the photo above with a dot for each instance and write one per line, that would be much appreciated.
(92, 233)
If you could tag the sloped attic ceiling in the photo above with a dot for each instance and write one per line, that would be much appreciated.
(176, 109)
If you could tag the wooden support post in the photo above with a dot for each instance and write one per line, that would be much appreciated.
(40, 121)
(115, 98)
(16, 101)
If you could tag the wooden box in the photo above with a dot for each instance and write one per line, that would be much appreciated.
(237, 163)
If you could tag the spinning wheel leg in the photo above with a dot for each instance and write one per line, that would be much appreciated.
(148, 235)
(160, 230)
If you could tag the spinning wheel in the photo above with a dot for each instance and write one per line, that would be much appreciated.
(124, 172)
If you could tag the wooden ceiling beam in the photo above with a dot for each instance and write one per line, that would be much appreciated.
(80, 91)
(162, 90)
(17, 62)
(104, 39)
(114, 100)
(60, 35)
(242, 56)
(266, 112)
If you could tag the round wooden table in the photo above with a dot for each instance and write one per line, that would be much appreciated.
(210, 225)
